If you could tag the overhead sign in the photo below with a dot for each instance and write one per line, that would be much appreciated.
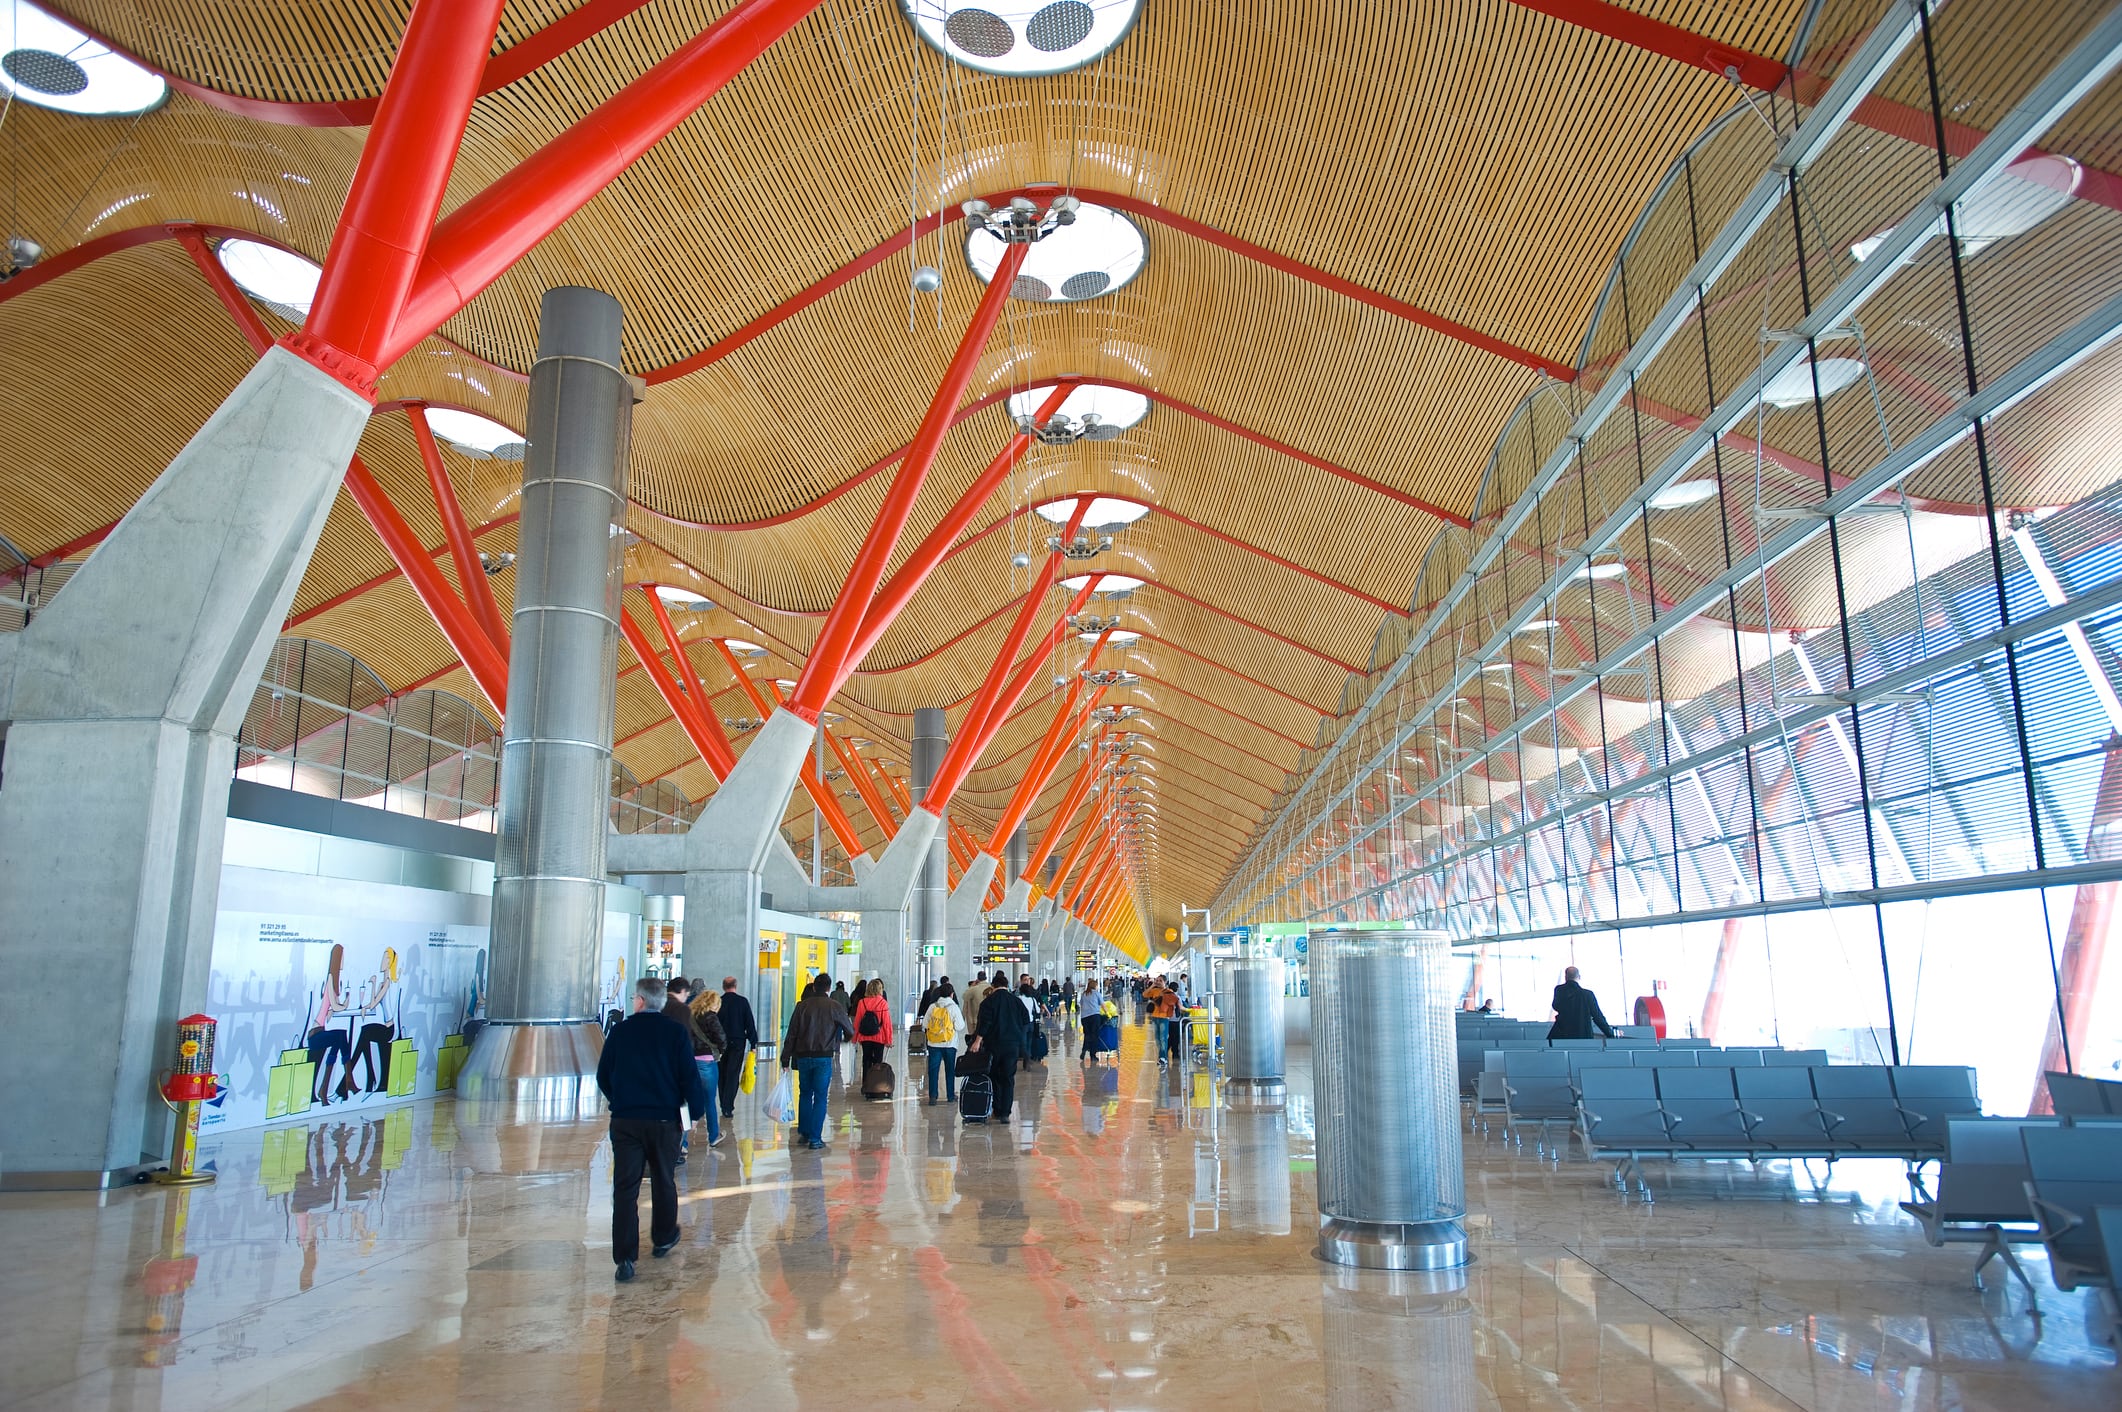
(1087, 960)
(850, 946)
(933, 948)
(1008, 943)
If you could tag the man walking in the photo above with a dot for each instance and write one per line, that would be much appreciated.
(1002, 1032)
(646, 1072)
(816, 1031)
(742, 1032)
(1576, 1010)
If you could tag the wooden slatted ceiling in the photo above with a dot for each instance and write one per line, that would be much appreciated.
(1417, 155)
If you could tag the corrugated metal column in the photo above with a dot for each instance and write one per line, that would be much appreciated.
(542, 1035)
(932, 887)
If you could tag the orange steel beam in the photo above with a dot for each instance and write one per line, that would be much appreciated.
(1078, 790)
(943, 540)
(477, 651)
(828, 662)
(483, 237)
(814, 784)
(463, 550)
(865, 787)
(388, 217)
(702, 729)
(1067, 721)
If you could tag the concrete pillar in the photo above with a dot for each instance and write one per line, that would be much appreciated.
(542, 1033)
(932, 886)
(886, 952)
(124, 698)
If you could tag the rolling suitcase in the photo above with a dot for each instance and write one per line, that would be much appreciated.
(976, 1091)
(878, 1081)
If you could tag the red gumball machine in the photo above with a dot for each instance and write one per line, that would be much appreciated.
(186, 1089)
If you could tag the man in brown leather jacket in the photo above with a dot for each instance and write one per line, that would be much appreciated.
(816, 1031)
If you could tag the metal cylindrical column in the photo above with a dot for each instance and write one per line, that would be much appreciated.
(926, 914)
(1253, 1057)
(1015, 852)
(1392, 1187)
(548, 915)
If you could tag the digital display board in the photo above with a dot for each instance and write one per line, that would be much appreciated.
(1008, 943)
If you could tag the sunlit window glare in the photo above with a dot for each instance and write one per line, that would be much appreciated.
(270, 275)
(1105, 512)
(47, 62)
(1020, 37)
(1109, 585)
(471, 433)
(1101, 252)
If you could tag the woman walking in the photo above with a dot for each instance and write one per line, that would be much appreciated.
(872, 1019)
(709, 1045)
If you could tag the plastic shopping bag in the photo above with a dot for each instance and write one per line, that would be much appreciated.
(749, 1079)
(780, 1105)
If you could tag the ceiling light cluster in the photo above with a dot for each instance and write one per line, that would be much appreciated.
(51, 64)
(1095, 251)
(1110, 678)
(1022, 38)
(1087, 413)
(1083, 546)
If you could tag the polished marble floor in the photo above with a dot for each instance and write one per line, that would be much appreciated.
(1133, 1245)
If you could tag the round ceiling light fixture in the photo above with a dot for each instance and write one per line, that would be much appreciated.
(53, 65)
(683, 599)
(1109, 585)
(1793, 387)
(1097, 252)
(1091, 413)
(280, 279)
(481, 438)
(1105, 512)
(1022, 38)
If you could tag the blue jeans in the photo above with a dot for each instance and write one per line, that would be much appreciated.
(1158, 1028)
(712, 1079)
(814, 1082)
(944, 1057)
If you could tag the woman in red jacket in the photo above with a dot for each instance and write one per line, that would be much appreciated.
(873, 1024)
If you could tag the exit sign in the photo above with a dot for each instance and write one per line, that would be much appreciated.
(933, 948)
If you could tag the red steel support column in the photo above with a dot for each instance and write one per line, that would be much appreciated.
(389, 213)
(481, 658)
(496, 228)
(1078, 790)
(463, 549)
(899, 590)
(831, 655)
(1067, 721)
(864, 785)
(813, 783)
(699, 726)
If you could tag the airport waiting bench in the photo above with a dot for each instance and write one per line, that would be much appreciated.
(2075, 1096)
(1770, 1112)
(1540, 1087)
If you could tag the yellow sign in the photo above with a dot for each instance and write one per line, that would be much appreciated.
(810, 957)
(770, 944)
(1171, 933)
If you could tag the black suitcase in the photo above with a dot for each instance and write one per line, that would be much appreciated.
(976, 1097)
(878, 1081)
(1036, 1044)
(975, 1065)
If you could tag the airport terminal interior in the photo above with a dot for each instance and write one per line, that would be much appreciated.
(1061, 704)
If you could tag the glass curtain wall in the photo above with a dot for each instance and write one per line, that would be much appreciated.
(1776, 678)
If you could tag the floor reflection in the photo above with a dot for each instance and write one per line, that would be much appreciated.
(1129, 1242)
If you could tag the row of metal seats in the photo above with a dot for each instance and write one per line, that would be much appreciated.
(1545, 1098)
(2074, 1095)
(2055, 1181)
(1826, 1111)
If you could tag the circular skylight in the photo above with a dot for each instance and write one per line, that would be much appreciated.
(474, 435)
(1105, 512)
(1116, 407)
(270, 275)
(742, 648)
(1022, 37)
(1112, 585)
(1102, 251)
(1597, 572)
(53, 65)
(683, 599)
(1793, 387)
(1680, 494)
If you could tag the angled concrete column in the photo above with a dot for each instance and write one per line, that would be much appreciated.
(726, 853)
(964, 919)
(542, 1035)
(1046, 957)
(926, 913)
(125, 696)
(882, 897)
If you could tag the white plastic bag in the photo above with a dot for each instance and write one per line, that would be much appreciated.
(779, 1105)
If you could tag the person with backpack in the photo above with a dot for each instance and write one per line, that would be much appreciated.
(944, 1024)
(872, 1018)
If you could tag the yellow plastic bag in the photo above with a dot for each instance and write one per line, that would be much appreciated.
(750, 1080)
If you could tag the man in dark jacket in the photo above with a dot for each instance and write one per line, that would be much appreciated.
(1576, 1011)
(816, 1030)
(646, 1073)
(1002, 1031)
(742, 1033)
(677, 1005)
